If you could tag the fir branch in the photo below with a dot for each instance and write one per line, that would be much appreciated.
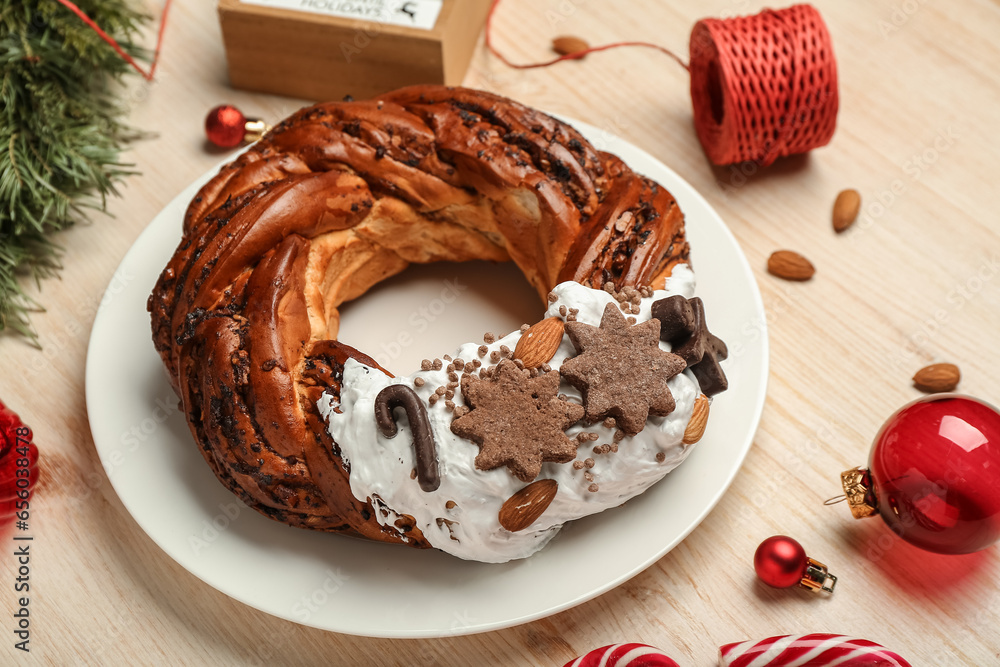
(61, 133)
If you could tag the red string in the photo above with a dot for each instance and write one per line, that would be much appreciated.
(576, 55)
(116, 46)
(762, 86)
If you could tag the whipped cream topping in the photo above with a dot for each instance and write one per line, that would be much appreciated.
(461, 515)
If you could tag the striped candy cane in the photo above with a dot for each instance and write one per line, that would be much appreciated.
(815, 650)
(623, 655)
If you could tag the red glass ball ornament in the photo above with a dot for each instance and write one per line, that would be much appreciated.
(934, 474)
(780, 561)
(225, 126)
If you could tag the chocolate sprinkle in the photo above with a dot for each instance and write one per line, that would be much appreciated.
(398, 395)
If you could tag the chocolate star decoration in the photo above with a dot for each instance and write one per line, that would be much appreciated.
(682, 324)
(621, 370)
(517, 420)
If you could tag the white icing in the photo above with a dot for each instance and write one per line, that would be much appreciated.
(381, 467)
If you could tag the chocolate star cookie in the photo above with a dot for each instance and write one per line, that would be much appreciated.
(682, 324)
(621, 370)
(517, 420)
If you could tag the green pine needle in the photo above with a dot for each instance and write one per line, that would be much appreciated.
(61, 134)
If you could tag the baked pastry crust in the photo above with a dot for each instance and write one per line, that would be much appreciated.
(338, 197)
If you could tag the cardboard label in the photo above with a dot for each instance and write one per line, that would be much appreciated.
(410, 13)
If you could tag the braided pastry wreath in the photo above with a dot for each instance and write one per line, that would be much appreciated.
(505, 441)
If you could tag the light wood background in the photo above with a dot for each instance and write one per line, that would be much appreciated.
(916, 281)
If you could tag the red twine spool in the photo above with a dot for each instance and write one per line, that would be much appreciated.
(763, 86)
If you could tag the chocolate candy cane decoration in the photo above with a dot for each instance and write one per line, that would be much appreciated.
(398, 395)
(623, 655)
(815, 650)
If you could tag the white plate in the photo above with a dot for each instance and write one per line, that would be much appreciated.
(366, 588)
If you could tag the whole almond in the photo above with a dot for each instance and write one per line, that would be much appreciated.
(566, 45)
(937, 378)
(790, 265)
(524, 507)
(699, 418)
(538, 344)
(846, 209)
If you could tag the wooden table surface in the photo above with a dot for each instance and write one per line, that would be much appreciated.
(916, 281)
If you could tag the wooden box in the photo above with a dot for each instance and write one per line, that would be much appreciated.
(325, 49)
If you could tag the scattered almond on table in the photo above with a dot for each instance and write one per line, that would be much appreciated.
(937, 378)
(790, 265)
(846, 209)
(566, 45)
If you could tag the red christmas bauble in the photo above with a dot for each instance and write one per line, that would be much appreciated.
(18, 467)
(225, 126)
(934, 474)
(780, 561)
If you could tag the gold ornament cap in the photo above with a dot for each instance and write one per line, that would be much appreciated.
(817, 577)
(255, 130)
(860, 495)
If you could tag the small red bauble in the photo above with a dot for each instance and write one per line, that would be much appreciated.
(225, 126)
(934, 475)
(781, 562)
